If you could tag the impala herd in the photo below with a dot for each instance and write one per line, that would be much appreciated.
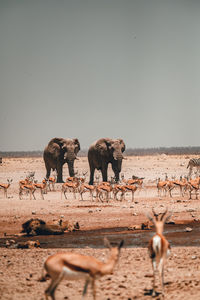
(72, 266)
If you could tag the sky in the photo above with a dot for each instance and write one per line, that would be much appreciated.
(88, 69)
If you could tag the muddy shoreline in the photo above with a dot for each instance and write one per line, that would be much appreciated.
(177, 235)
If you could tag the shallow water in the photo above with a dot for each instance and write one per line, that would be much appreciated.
(175, 234)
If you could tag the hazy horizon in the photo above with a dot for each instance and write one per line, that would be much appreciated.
(88, 69)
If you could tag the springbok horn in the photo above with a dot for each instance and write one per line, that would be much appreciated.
(164, 214)
(155, 214)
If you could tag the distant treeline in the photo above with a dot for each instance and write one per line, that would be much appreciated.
(163, 150)
(128, 152)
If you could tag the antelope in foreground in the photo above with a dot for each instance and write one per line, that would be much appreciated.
(159, 247)
(73, 266)
(5, 187)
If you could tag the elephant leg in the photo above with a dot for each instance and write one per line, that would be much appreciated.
(104, 172)
(116, 172)
(92, 169)
(59, 172)
(116, 167)
(48, 170)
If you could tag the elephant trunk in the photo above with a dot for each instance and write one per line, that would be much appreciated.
(117, 165)
(118, 155)
(69, 156)
(71, 168)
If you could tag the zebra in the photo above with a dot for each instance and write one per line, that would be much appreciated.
(193, 163)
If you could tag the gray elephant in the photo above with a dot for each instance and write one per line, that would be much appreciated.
(103, 152)
(58, 152)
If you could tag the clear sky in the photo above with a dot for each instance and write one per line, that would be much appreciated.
(92, 69)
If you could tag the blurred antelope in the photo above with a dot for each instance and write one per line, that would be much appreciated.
(73, 266)
(5, 187)
(159, 247)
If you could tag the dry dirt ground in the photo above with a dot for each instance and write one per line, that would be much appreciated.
(132, 278)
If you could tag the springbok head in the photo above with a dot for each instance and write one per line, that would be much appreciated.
(159, 219)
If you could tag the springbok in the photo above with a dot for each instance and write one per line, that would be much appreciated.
(159, 247)
(41, 186)
(131, 188)
(72, 178)
(182, 184)
(25, 181)
(119, 188)
(70, 186)
(73, 266)
(51, 182)
(30, 188)
(5, 187)
(104, 188)
(87, 188)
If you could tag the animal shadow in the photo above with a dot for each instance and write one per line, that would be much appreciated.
(149, 292)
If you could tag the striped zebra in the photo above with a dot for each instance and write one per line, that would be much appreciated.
(193, 163)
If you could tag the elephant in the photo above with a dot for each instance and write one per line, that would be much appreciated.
(105, 151)
(58, 152)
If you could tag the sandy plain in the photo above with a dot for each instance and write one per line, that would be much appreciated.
(132, 278)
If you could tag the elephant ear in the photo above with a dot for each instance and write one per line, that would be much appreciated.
(59, 141)
(76, 142)
(122, 144)
(103, 145)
